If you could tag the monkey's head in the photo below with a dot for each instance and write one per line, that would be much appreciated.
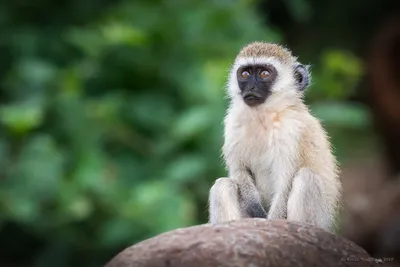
(263, 69)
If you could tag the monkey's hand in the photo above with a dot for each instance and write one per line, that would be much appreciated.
(249, 198)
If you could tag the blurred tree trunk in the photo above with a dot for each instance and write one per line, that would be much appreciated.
(373, 216)
(383, 89)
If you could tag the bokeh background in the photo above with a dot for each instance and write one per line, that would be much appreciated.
(111, 111)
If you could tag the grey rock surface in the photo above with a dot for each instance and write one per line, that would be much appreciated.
(247, 243)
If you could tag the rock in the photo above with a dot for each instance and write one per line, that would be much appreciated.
(247, 243)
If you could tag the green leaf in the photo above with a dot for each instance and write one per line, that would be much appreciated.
(37, 72)
(192, 122)
(118, 33)
(22, 209)
(151, 111)
(90, 173)
(186, 168)
(74, 204)
(23, 116)
(39, 170)
(163, 203)
(80, 208)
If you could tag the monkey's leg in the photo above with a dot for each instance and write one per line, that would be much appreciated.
(224, 201)
(232, 199)
(307, 203)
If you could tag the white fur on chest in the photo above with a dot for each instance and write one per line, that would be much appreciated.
(264, 141)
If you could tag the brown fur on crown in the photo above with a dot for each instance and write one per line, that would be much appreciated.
(262, 49)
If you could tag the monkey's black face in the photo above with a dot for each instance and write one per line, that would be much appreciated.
(255, 82)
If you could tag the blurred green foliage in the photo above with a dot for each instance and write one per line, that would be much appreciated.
(111, 117)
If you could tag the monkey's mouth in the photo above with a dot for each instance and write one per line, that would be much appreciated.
(252, 98)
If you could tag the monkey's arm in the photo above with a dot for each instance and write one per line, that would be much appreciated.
(312, 200)
(234, 198)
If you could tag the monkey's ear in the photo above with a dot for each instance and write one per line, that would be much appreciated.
(302, 76)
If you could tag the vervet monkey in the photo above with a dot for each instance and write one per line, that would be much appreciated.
(278, 156)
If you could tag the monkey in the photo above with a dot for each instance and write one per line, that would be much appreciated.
(277, 154)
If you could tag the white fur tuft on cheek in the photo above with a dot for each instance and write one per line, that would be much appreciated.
(233, 89)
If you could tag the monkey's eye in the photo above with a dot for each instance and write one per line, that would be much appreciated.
(264, 74)
(245, 74)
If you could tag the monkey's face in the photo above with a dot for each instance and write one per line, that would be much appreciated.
(258, 79)
(255, 82)
(265, 72)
